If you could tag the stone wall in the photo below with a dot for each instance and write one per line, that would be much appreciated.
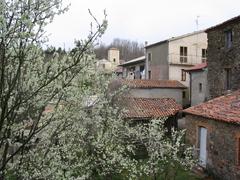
(220, 57)
(222, 146)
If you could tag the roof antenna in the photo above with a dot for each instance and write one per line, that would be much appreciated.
(197, 21)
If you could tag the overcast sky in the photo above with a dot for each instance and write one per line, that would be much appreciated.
(139, 20)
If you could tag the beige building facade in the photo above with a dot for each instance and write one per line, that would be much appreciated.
(111, 63)
(166, 60)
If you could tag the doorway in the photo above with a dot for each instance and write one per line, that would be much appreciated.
(202, 146)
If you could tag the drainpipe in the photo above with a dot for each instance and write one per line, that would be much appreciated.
(190, 90)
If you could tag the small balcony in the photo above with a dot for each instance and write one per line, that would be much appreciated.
(185, 60)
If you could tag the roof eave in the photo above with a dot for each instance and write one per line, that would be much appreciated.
(212, 118)
(230, 21)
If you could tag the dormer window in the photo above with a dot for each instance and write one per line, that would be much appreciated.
(228, 38)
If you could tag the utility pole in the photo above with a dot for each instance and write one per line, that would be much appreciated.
(197, 22)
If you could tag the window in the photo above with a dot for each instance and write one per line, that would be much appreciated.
(228, 38)
(183, 54)
(142, 72)
(184, 94)
(200, 87)
(183, 75)
(114, 59)
(149, 56)
(204, 55)
(149, 75)
(227, 78)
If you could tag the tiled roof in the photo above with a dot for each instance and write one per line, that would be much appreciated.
(136, 108)
(144, 83)
(197, 67)
(224, 108)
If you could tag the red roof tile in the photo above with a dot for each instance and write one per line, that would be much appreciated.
(224, 108)
(197, 67)
(136, 108)
(140, 83)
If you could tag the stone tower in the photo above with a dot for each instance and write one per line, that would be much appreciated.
(114, 56)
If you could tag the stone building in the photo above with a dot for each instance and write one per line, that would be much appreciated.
(213, 128)
(224, 57)
(111, 63)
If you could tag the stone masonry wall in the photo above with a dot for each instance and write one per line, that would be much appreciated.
(222, 146)
(220, 57)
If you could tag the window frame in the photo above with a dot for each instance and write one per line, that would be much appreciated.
(183, 54)
(228, 75)
(183, 75)
(149, 54)
(149, 75)
(228, 38)
(204, 55)
(183, 94)
(200, 88)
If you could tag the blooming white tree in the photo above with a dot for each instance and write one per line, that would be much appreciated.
(29, 81)
(57, 117)
(166, 150)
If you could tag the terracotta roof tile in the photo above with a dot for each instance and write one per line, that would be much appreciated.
(224, 108)
(136, 108)
(140, 83)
